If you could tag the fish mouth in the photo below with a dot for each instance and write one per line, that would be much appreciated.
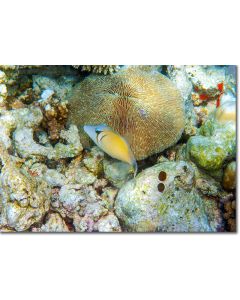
(90, 131)
(88, 128)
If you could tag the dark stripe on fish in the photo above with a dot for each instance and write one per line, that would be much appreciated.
(99, 140)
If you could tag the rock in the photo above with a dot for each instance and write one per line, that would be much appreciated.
(54, 223)
(215, 145)
(80, 175)
(95, 210)
(27, 147)
(229, 177)
(54, 178)
(60, 86)
(46, 96)
(108, 223)
(23, 200)
(146, 204)
(18, 118)
(179, 76)
(3, 77)
(93, 160)
(108, 197)
(83, 224)
(3, 93)
(73, 146)
(71, 197)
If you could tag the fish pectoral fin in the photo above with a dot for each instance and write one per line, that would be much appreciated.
(135, 168)
(102, 137)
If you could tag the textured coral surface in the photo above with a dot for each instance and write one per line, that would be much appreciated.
(145, 107)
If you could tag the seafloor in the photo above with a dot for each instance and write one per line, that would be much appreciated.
(53, 180)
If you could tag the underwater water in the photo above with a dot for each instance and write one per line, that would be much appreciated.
(118, 148)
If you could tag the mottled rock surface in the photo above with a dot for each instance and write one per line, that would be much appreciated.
(23, 200)
(215, 145)
(178, 207)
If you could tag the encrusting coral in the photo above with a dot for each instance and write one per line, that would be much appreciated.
(144, 107)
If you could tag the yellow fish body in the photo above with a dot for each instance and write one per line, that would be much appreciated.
(111, 143)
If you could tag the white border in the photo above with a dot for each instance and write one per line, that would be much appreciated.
(173, 266)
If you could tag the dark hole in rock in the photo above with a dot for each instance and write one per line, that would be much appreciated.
(162, 176)
(161, 187)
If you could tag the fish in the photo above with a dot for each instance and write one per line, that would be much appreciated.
(226, 112)
(112, 143)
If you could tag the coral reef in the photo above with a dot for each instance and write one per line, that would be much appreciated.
(182, 118)
(145, 107)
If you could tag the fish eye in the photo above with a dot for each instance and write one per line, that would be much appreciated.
(98, 131)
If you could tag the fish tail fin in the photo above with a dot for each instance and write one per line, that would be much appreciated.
(135, 166)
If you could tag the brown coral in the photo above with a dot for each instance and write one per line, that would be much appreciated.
(145, 107)
(54, 118)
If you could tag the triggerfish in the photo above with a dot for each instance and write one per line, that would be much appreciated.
(111, 143)
(226, 112)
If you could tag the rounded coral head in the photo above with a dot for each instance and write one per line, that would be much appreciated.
(144, 107)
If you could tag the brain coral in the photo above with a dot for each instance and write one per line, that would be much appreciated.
(144, 107)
